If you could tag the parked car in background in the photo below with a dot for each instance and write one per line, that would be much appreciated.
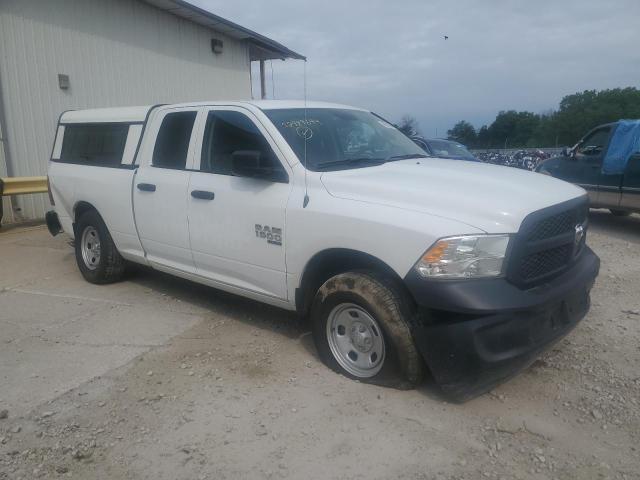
(402, 262)
(441, 148)
(606, 163)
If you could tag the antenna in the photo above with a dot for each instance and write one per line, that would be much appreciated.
(305, 202)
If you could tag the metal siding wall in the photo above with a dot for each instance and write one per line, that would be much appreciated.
(7, 216)
(3, 165)
(116, 52)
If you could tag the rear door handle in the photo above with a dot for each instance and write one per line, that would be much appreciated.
(146, 187)
(203, 195)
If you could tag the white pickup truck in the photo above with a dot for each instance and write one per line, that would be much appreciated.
(404, 263)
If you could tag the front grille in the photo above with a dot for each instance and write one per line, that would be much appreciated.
(556, 225)
(542, 263)
(546, 244)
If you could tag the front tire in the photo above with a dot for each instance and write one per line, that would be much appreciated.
(361, 330)
(96, 254)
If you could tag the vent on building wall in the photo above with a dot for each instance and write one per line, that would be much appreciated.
(216, 46)
(63, 81)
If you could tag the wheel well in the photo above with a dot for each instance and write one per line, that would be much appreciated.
(80, 209)
(331, 262)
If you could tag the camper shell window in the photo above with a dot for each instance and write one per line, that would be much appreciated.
(94, 144)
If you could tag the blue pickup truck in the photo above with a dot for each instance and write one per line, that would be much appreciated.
(606, 163)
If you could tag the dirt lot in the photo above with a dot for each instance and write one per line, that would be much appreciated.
(156, 378)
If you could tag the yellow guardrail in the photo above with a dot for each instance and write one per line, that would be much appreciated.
(22, 185)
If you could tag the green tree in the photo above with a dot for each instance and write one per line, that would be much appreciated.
(576, 115)
(580, 112)
(512, 129)
(464, 133)
(483, 139)
(409, 126)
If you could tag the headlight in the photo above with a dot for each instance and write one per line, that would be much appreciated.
(468, 256)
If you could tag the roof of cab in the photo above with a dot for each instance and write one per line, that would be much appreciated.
(263, 104)
(107, 115)
(139, 114)
(280, 104)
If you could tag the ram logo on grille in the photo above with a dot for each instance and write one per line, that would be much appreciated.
(579, 235)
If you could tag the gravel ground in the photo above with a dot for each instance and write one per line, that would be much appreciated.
(233, 389)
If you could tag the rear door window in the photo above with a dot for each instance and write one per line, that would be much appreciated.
(95, 144)
(172, 143)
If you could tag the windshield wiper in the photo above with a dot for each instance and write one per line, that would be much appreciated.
(351, 162)
(406, 156)
(366, 161)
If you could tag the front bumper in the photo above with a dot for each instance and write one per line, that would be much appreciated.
(475, 334)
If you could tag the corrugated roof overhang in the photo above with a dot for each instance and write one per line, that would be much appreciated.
(261, 47)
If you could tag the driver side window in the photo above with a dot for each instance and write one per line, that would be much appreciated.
(595, 142)
(227, 132)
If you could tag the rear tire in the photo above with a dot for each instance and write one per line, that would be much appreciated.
(619, 213)
(361, 329)
(96, 255)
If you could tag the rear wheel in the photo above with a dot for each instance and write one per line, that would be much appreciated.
(96, 255)
(361, 329)
(620, 213)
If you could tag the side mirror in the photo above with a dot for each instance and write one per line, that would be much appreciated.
(247, 163)
(570, 153)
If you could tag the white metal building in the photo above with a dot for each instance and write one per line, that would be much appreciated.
(58, 55)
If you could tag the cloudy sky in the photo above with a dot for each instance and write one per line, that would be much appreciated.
(391, 57)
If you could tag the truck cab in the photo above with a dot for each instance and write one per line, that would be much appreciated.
(586, 164)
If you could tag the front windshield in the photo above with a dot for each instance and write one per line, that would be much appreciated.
(341, 138)
(446, 149)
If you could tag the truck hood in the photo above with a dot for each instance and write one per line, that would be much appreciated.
(491, 198)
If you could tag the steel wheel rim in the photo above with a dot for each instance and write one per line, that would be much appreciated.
(90, 248)
(355, 340)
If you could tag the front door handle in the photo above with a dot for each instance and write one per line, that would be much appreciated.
(203, 195)
(146, 187)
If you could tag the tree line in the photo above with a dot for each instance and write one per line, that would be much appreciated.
(576, 114)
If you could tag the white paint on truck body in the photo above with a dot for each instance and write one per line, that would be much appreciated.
(492, 198)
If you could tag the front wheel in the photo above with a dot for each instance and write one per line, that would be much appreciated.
(361, 329)
(96, 254)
